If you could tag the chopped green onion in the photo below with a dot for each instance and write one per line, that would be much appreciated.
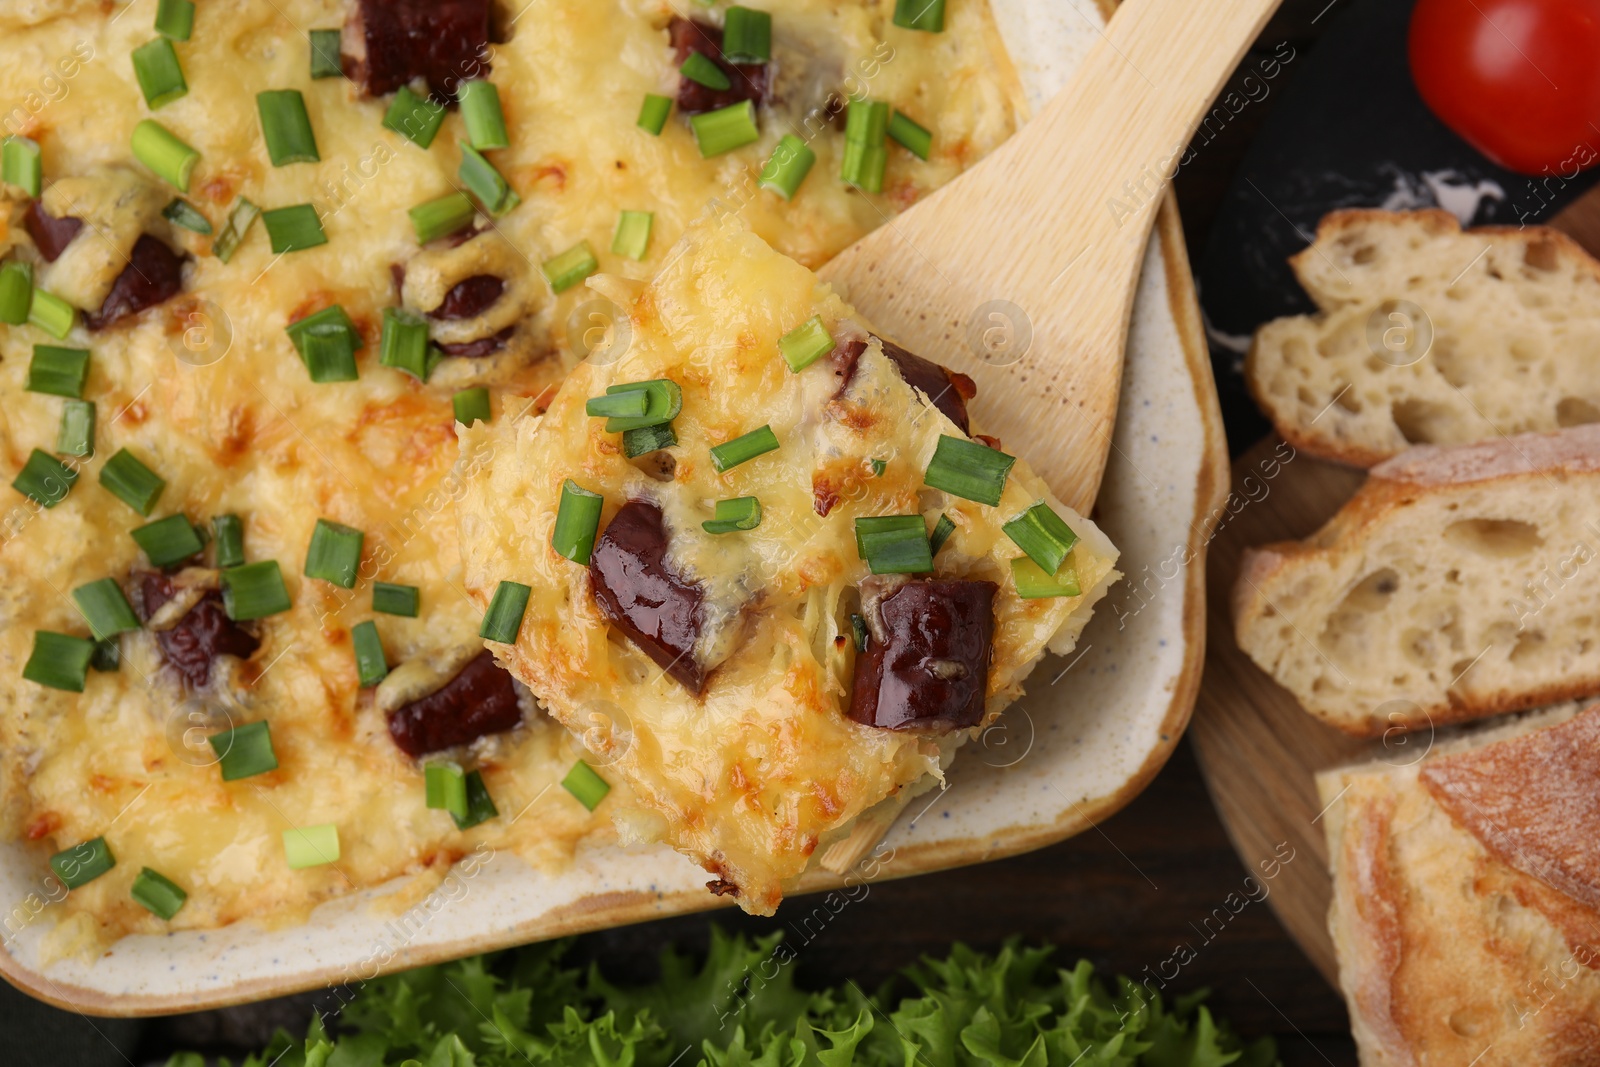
(44, 479)
(925, 15)
(702, 70)
(392, 599)
(879, 524)
(240, 219)
(664, 399)
(254, 591)
(740, 513)
(444, 786)
(372, 666)
(334, 554)
(83, 863)
(805, 344)
(59, 661)
(58, 371)
(969, 470)
(182, 213)
(51, 314)
(16, 292)
(471, 405)
(742, 449)
(244, 751)
(941, 533)
(155, 65)
(22, 165)
(289, 229)
(1034, 583)
(480, 111)
(131, 482)
(653, 115)
(858, 626)
(1042, 534)
(169, 540)
(105, 608)
(175, 19)
(325, 61)
(404, 345)
(486, 183)
(630, 403)
(791, 161)
(865, 154)
(442, 216)
(311, 846)
(894, 544)
(228, 532)
(330, 354)
(632, 238)
(107, 656)
(746, 36)
(76, 435)
(286, 127)
(157, 894)
(577, 522)
(648, 439)
(570, 267)
(416, 118)
(157, 148)
(333, 317)
(914, 138)
(585, 784)
(480, 806)
(725, 129)
(878, 466)
(504, 617)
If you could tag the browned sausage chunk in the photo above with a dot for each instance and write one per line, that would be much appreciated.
(747, 81)
(154, 274)
(639, 593)
(948, 390)
(469, 298)
(477, 701)
(204, 633)
(387, 43)
(926, 666)
(50, 234)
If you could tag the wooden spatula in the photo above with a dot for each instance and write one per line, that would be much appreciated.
(1021, 272)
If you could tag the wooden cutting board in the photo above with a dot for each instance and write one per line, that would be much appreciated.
(1258, 750)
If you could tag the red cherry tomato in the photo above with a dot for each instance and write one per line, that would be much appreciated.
(1518, 79)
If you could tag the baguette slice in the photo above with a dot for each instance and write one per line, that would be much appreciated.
(1515, 324)
(1458, 582)
(1466, 889)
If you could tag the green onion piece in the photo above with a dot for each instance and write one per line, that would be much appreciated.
(941, 533)
(286, 127)
(480, 111)
(107, 656)
(664, 402)
(22, 165)
(648, 439)
(899, 548)
(58, 371)
(59, 661)
(311, 846)
(727, 456)
(169, 540)
(175, 19)
(701, 69)
(471, 405)
(157, 148)
(740, 513)
(632, 238)
(105, 608)
(405, 342)
(51, 314)
(83, 863)
(1042, 534)
(791, 161)
(969, 470)
(725, 129)
(480, 806)
(244, 751)
(925, 15)
(577, 522)
(865, 153)
(330, 354)
(44, 479)
(805, 344)
(914, 138)
(630, 403)
(504, 617)
(325, 61)
(182, 213)
(878, 466)
(746, 36)
(331, 319)
(334, 554)
(16, 292)
(228, 533)
(254, 591)
(444, 786)
(570, 267)
(157, 894)
(442, 217)
(240, 219)
(131, 482)
(76, 435)
(289, 229)
(584, 783)
(416, 118)
(372, 666)
(858, 625)
(485, 183)
(1035, 583)
(392, 599)
(878, 524)
(653, 115)
(155, 65)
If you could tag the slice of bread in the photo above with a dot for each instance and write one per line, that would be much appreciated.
(1466, 899)
(1514, 321)
(1458, 582)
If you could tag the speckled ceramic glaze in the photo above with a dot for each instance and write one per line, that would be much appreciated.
(1090, 733)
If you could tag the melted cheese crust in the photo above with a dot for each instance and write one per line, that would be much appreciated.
(752, 775)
